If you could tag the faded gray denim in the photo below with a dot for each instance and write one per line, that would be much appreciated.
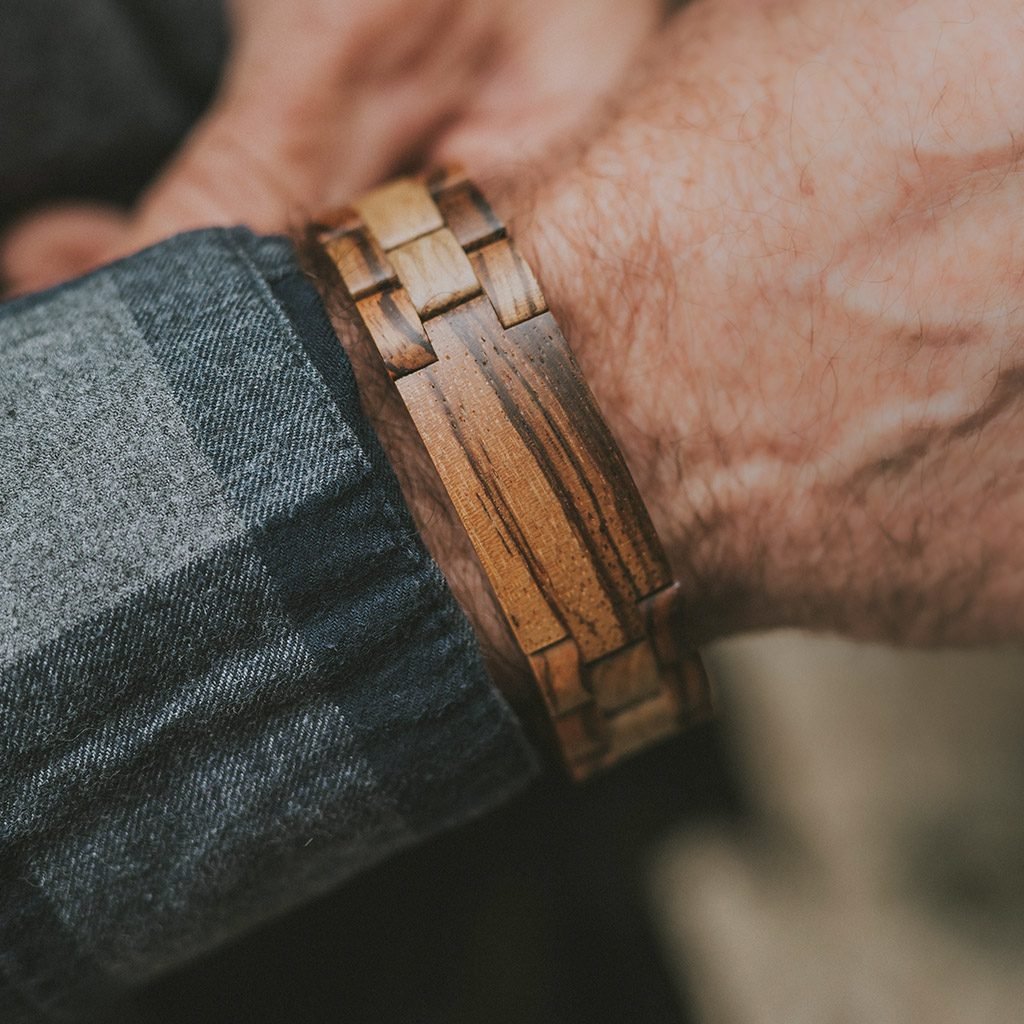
(230, 675)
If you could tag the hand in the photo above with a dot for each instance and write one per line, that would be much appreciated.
(322, 98)
(792, 272)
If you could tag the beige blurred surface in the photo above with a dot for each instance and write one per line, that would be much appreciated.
(882, 879)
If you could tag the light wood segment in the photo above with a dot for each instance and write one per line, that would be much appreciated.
(361, 262)
(435, 272)
(459, 416)
(557, 670)
(498, 407)
(508, 282)
(693, 688)
(624, 677)
(468, 215)
(400, 211)
(391, 319)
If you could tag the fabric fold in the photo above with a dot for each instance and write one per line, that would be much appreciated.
(230, 674)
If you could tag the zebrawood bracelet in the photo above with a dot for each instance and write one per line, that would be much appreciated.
(532, 470)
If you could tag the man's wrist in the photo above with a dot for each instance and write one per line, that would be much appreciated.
(610, 290)
(559, 261)
(531, 469)
(751, 295)
(802, 324)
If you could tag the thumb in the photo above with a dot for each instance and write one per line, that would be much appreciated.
(223, 174)
(56, 243)
(242, 163)
(239, 165)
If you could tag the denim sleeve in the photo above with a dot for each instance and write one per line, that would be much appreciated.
(230, 675)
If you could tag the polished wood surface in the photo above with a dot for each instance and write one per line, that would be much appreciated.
(508, 282)
(532, 470)
(361, 262)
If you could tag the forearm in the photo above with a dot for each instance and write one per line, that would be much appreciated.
(790, 271)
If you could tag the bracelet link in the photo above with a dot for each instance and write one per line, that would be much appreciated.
(532, 470)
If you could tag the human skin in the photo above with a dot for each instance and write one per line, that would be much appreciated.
(321, 99)
(793, 271)
(791, 265)
(789, 261)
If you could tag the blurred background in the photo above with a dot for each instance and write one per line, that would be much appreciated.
(845, 845)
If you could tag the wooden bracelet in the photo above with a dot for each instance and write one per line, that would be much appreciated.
(532, 470)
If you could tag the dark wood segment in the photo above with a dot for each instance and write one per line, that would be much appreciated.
(624, 677)
(693, 688)
(585, 741)
(337, 221)
(508, 282)
(549, 508)
(460, 418)
(594, 742)
(581, 449)
(468, 215)
(435, 272)
(361, 262)
(397, 331)
(440, 179)
(400, 211)
(663, 622)
(557, 670)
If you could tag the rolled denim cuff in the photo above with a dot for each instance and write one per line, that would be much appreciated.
(230, 674)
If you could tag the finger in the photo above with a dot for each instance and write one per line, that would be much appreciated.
(54, 244)
(559, 88)
(226, 173)
(232, 169)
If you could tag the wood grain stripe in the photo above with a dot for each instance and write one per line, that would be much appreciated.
(508, 282)
(391, 319)
(361, 262)
(530, 465)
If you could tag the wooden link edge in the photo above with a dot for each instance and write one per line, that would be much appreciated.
(683, 696)
(431, 245)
